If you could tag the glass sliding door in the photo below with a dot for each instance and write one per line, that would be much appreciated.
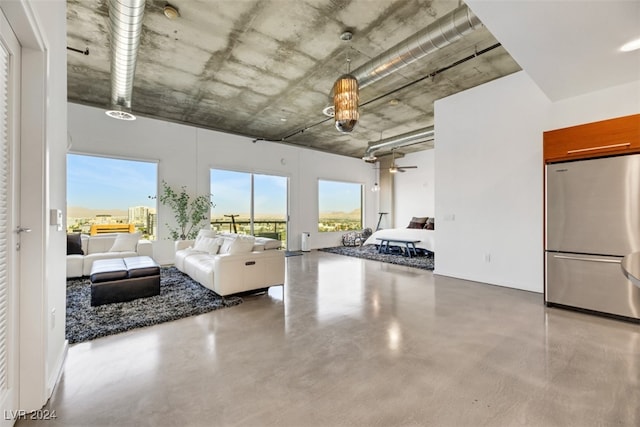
(270, 207)
(231, 195)
(248, 203)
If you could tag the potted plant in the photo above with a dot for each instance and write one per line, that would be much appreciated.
(188, 212)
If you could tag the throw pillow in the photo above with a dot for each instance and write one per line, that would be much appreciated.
(242, 244)
(430, 224)
(125, 242)
(74, 244)
(417, 222)
(208, 244)
(227, 241)
(205, 233)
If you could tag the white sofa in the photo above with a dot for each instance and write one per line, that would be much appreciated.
(106, 246)
(230, 263)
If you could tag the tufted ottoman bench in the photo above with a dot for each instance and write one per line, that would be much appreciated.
(124, 279)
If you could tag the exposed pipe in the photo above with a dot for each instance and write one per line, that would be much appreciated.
(125, 18)
(420, 135)
(440, 33)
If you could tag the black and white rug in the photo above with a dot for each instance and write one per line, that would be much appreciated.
(424, 260)
(180, 296)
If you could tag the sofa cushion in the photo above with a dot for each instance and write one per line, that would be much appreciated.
(241, 244)
(125, 242)
(266, 243)
(208, 244)
(74, 265)
(99, 244)
(205, 233)
(74, 244)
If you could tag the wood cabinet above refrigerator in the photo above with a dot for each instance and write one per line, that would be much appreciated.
(604, 138)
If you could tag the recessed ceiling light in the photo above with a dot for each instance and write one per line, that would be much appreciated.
(170, 12)
(632, 45)
(120, 115)
(328, 111)
(394, 101)
(282, 119)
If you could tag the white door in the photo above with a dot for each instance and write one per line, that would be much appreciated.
(9, 237)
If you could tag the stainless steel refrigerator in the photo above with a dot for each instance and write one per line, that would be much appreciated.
(592, 222)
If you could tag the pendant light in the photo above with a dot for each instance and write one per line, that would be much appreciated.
(346, 97)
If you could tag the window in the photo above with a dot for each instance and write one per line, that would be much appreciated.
(109, 194)
(252, 203)
(339, 206)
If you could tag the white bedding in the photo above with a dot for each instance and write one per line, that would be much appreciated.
(426, 237)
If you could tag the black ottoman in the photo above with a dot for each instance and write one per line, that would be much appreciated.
(124, 279)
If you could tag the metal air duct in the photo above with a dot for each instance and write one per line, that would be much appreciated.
(420, 135)
(125, 18)
(444, 31)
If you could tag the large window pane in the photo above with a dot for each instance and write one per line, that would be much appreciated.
(340, 206)
(258, 203)
(231, 195)
(107, 191)
(270, 206)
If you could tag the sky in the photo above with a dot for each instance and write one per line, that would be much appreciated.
(107, 183)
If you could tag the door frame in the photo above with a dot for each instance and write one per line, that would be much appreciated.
(10, 400)
(32, 322)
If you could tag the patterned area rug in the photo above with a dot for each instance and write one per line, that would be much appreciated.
(424, 260)
(180, 296)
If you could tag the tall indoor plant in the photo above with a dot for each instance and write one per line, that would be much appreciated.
(189, 212)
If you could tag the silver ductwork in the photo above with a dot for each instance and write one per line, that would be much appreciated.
(415, 137)
(125, 19)
(444, 31)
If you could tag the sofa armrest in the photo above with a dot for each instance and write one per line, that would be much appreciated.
(248, 271)
(145, 248)
(183, 244)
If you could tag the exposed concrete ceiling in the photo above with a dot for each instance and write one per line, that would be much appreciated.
(265, 68)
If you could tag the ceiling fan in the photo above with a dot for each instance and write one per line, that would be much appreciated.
(395, 168)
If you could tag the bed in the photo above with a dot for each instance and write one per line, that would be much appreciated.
(426, 237)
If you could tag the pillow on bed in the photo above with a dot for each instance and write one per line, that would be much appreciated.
(429, 225)
(417, 222)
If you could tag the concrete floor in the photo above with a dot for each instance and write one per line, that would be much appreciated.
(361, 343)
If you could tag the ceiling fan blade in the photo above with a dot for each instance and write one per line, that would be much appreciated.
(408, 167)
(401, 170)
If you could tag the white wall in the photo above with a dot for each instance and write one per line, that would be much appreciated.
(414, 189)
(186, 154)
(617, 101)
(488, 175)
(53, 17)
(489, 183)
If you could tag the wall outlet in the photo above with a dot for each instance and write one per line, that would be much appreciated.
(487, 257)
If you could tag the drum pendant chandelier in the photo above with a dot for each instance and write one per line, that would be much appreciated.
(346, 96)
(345, 103)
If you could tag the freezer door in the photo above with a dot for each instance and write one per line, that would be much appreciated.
(593, 206)
(591, 282)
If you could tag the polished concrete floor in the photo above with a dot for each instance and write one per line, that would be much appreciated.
(351, 342)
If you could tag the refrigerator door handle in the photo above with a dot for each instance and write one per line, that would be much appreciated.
(611, 261)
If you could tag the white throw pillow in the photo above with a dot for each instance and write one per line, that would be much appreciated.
(242, 244)
(125, 242)
(205, 233)
(226, 244)
(208, 244)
